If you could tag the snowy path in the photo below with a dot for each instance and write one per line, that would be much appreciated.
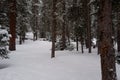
(31, 61)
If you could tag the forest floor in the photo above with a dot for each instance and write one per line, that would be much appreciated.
(32, 61)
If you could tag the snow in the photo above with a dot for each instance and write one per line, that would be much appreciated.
(29, 35)
(31, 61)
(2, 31)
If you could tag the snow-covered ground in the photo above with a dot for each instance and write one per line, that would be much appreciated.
(31, 61)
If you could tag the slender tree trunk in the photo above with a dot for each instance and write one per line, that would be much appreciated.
(36, 18)
(35, 14)
(12, 21)
(74, 5)
(77, 44)
(88, 26)
(106, 46)
(82, 44)
(23, 37)
(98, 36)
(89, 32)
(118, 32)
(20, 36)
(20, 39)
(68, 32)
(86, 16)
(64, 28)
(63, 37)
(53, 29)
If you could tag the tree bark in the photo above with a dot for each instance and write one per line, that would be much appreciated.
(74, 3)
(77, 43)
(118, 32)
(53, 29)
(89, 27)
(107, 53)
(82, 43)
(86, 16)
(20, 38)
(35, 14)
(68, 32)
(64, 28)
(12, 22)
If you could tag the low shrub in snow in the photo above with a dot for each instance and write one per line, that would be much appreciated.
(4, 37)
(69, 46)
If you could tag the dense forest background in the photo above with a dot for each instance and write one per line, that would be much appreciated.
(90, 23)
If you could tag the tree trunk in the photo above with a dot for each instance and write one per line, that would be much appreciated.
(68, 32)
(21, 35)
(98, 36)
(74, 3)
(86, 15)
(63, 37)
(64, 28)
(77, 43)
(82, 43)
(118, 32)
(20, 38)
(53, 29)
(35, 14)
(106, 45)
(12, 22)
(89, 27)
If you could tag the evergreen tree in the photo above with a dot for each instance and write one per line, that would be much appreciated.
(116, 11)
(53, 28)
(22, 19)
(3, 13)
(64, 26)
(35, 27)
(12, 22)
(4, 37)
(106, 44)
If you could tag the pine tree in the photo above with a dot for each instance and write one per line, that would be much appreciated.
(118, 33)
(22, 19)
(106, 44)
(54, 23)
(64, 27)
(4, 37)
(46, 19)
(35, 8)
(12, 22)
(88, 26)
(86, 14)
(3, 13)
